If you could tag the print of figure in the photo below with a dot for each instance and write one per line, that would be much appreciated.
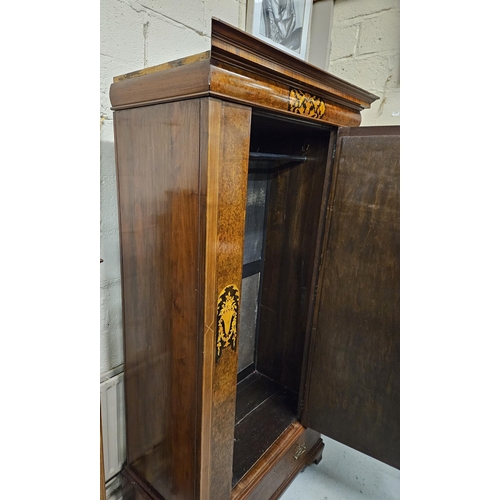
(280, 21)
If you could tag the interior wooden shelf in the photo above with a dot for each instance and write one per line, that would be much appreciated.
(264, 410)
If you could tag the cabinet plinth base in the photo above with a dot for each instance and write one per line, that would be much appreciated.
(295, 449)
(134, 488)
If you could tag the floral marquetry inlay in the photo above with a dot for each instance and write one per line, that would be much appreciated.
(227, 319)
(306, 104)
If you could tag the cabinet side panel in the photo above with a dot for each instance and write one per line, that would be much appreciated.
(228, 147)
(353, 386)
(157, 150)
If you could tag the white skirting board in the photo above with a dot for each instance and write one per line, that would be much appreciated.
(113, 425)
(114, 489)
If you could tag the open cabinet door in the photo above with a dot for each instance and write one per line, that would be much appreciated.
(352, 383)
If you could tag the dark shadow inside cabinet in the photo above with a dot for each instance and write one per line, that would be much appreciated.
(288, 178)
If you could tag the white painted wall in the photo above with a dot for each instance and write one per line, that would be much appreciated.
(135, 35)
(365, 52)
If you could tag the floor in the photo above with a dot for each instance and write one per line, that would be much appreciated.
(345, 474)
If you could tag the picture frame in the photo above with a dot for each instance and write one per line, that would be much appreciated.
(285, 24)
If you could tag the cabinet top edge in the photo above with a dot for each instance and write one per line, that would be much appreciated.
(237, 46)
(234, 51)
(164, 66)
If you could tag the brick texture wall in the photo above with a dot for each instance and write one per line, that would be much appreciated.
(365, 52)
(133, 36)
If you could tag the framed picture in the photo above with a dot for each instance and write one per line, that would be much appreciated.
(282, 23)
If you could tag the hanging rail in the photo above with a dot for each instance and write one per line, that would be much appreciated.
(272, 156)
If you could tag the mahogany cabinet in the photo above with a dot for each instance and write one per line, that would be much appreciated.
(260, 271)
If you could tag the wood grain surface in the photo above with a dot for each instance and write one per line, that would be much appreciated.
(294, 208)
(278, 466)
(156, 87)
(353, 384)
(160, 244)
(243, 69)
(264, 410)
(228, 146)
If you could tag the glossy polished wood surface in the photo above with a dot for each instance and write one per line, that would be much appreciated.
(259, 91)
(228, 147)
(183, 61)
(160, 245)
(182, 221)
(243, 69)
(353, 385)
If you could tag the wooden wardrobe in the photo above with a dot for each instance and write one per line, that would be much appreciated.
(260, 271)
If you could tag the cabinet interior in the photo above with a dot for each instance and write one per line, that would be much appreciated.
(286, 185)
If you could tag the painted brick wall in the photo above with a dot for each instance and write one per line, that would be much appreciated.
(135, 35)
(365, 52)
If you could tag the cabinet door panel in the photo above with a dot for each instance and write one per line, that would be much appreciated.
(352, 391)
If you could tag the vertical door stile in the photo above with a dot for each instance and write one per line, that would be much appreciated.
(227, 171)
